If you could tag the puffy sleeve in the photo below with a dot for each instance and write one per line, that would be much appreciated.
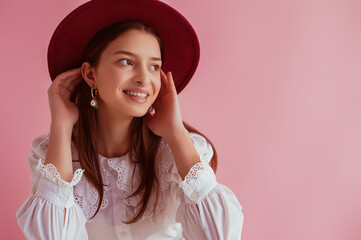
(41, 216)
(220, 213)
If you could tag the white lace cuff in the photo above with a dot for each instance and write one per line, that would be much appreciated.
(199, 182)
(50, 172)
(200, 179)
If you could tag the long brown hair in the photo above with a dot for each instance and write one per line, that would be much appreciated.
(144, 143)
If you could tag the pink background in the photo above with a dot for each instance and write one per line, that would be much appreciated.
(277, 89)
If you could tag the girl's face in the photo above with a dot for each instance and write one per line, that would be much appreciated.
(128, 74)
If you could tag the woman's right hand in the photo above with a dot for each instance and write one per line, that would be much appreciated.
(63, 110)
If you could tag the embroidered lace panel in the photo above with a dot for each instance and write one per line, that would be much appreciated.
(87, 197)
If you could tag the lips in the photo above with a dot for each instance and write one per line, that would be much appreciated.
(140, 90)
(136, 98)
(136, 94)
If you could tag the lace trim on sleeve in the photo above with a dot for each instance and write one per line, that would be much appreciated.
(50, 172)
(169, 172)
(197, 170)
(205, 152)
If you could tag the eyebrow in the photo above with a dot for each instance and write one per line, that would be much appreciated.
(134, 55)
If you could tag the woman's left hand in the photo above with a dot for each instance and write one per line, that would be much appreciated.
(166, 120)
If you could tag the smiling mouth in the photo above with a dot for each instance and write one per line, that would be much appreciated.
(136, 94)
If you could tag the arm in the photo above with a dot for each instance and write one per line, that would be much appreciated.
(208, 210)
(183, 150)
(41, 216)
(59, 150)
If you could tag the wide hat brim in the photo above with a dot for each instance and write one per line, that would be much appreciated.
(180, 41)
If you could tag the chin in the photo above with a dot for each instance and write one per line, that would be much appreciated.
(139, 114)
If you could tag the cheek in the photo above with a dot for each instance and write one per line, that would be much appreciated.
(110, 74)
(111, 79)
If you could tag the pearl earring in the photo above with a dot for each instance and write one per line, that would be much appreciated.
(94, 102)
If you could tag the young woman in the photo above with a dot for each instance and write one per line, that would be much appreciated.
(119, 162)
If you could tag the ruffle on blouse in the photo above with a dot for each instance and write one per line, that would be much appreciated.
(116, 173)
(86, 196)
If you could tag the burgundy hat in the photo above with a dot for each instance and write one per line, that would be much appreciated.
(181, 46)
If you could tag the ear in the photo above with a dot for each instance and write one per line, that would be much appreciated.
(87, 72)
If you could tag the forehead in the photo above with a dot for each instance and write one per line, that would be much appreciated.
(141, 43)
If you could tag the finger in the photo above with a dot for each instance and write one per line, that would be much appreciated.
(72, 80)
(65, 76)
(163, 86)
(171, 83)
(163, 79)
(71, 83)
(65, 93)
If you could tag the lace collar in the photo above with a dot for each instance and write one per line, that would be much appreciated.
(117, 173)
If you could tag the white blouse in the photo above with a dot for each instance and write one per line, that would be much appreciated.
(176, 217)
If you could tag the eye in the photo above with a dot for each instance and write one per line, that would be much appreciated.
(126, 60)
(157, 67)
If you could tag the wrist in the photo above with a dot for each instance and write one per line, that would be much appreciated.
(60, 127)
(175, 134)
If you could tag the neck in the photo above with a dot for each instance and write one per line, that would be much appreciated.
(113, 133)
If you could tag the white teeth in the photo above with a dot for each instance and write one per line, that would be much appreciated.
(137, 94)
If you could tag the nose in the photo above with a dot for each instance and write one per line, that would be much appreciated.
(142, 76)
